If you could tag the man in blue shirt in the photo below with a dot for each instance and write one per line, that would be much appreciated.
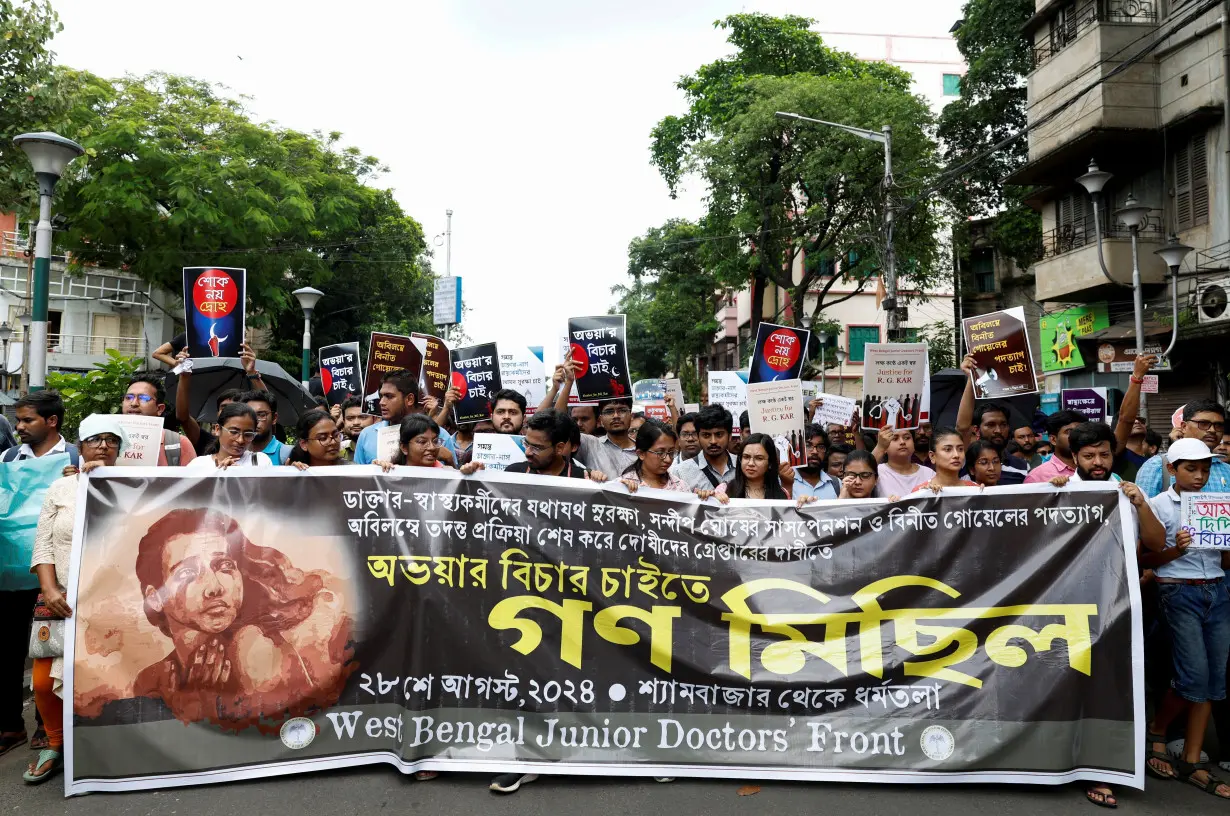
(810, 479)
(1204, 420)
(398, 399)
(265, 405)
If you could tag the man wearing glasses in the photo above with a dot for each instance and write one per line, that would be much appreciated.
(548, 448)
(1204, 420)
(265, 405)
(610, 454)
(147, 396)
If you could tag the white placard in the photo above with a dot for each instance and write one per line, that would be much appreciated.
(144, 439)
(691, 407)
(522, 370)
(1149, 386)
(776, 408)
(1207, 517)
(728, 389)
(836, 411)
(388, 442)
(498, 451)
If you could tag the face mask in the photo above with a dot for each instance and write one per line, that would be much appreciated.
(1046, 457)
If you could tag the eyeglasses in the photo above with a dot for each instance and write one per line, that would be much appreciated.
(689, 435)
(860, 476)
(664, 455)
(235, 433)
(433, 442)
(610, 412)
(1204, 425)
(756, 460)
(327, 437)
(262, 415)
(107, 441)
(531, 447)
(145, 399)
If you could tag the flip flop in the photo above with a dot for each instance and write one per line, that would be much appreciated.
(45, 756)
(1108, 796)
(10, 741)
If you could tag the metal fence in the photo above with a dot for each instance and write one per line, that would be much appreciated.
(1069, 237)
(1065, 29)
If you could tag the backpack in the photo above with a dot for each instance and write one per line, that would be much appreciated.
(171, 444)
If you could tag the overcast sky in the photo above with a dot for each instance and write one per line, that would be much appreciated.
(529, 119)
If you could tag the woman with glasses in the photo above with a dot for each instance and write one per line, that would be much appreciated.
(419, 443)
(102, 442)
(983, 464)
(859, 478)
(320, 442)
(656, 443)
(236, 430)
(756, 474)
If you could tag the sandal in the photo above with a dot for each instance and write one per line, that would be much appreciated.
(1160, 756)
(1102, 796)
(11, 740)
(1188, 771)
(39, 741)
(47, 755)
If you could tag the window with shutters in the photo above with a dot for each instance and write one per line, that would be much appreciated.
(860, 336)
(1191, 183)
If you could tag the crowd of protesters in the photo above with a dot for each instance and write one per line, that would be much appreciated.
(1187, 613)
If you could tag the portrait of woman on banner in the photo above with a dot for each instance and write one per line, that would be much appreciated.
(252, 635)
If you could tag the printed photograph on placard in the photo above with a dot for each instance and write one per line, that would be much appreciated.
(1004, 363)
(600, 352)
(434, 378)
(476, 374)
(215, 308)
(894, 382)
(779, 354)
(341, 376)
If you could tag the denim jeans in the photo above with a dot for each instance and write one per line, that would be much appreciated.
(1198, 616)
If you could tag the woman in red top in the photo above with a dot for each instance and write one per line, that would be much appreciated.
(948, 458)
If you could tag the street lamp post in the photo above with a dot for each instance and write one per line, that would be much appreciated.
(841, 359)
(307, 297)
(884, 137)
(49, 154)
(6, 334)
(824, 363)
(1173, 254)
(24, 319)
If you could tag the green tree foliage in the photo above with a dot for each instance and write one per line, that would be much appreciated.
(100, 391)
(941, 353)
(177, 174)
(671, 303)
(777, 189)
(991, 108)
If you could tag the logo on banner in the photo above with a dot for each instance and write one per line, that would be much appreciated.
(937, 742)
(297, 733)
(781, 350)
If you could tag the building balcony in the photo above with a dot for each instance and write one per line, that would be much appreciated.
(1069, 269)
(1073, 52)
(79, 352)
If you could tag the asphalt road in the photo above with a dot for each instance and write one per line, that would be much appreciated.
(382, 790)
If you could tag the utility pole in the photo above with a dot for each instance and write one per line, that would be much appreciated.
(448, 256)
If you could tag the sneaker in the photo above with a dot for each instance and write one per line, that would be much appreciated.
(511, 782)
(664, 779)
(1175, 749)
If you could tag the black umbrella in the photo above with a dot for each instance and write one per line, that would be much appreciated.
(212, 376)
(948, 385)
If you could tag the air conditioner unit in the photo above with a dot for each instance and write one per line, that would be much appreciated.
(1213, 300)
(120, 305)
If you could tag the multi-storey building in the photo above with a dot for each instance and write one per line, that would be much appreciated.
(1139, 87)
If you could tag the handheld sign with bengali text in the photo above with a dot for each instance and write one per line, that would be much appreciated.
(498, 451)
(1092, 402)
(776, 408)
(1207, 517)
(215, 308)
(999, 344)
(389, 352)
(476, 375)
(144, 439)
(388, 442)
(779, 353)
(895, 386)
(436, 366)
(341, 376)
(729, 390)
(522, 370)
(600, 345)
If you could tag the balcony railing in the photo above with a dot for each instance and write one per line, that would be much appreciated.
(1070, 237)
(1065, 32)
(95, 344)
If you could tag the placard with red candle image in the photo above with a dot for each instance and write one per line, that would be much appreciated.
(779, 353)
(600, 345)
(476, 374)
(215, 300)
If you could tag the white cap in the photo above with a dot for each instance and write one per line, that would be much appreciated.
(1187, 449)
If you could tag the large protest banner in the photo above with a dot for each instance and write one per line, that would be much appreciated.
(600, 345)
(341, 375)
(501, 623)
(999, 344)
(215, 309)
